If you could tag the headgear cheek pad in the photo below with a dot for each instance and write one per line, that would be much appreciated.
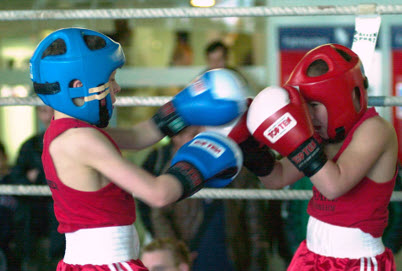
(92, 65)
(335, 87)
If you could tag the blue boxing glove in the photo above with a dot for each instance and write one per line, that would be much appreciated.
(214, 98)
(208, 157)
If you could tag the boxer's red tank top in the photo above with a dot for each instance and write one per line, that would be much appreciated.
(74, 209)
(364, 207)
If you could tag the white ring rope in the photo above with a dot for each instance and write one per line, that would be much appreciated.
(226, 193)
(132, 13)
(210, 193)
(126, 101)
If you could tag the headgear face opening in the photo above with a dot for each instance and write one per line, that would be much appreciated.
(77, 54)
(335, 87)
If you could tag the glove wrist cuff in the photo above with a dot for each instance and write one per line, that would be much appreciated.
(309, 157)
(189, 177)
(168, 121)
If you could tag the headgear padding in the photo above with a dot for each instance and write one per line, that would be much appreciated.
(334, 87)
(52, 73)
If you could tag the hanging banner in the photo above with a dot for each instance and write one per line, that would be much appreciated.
(365, 38)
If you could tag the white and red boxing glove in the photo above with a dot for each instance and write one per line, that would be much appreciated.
(279, 118)
(257, 157)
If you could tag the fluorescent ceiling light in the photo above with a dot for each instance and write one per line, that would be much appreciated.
(202, 3)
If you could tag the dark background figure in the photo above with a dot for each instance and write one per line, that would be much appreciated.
(217, 56)
(182, 53)
(166, 254)
(37, 241)
(8, 205)
(221, 234)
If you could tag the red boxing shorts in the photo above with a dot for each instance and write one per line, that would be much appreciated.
(304, 259)
(336, 248)
(133, 265)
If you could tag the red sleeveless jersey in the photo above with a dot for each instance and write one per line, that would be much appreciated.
(74, 210)
(365, 206)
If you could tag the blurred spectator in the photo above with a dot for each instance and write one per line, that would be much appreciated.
(217, 56)
(392, 236)
(8, 204)
(166, 254)
(34, 219)
(221, 234)
(157, 161)
(182, 52)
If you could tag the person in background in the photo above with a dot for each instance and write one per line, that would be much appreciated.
(35, 223)
(166, 254)
(217, 56)
(8, 205)
(157, 162)
(182, 53)
(221, 234)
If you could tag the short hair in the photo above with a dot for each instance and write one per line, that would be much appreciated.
(180, 251)
(317, 68)
(58, 47)
(320, 67)
(217, 45)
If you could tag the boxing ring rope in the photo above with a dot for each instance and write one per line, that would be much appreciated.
(130, 13)
(127, 101)
(225, 193)
(210, 193)
(148, 13)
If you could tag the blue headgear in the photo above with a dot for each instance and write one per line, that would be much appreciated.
(52, 74)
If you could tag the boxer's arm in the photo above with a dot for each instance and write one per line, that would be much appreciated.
(283, 174)
(138, 137)
(94, 159)
(372, 153)
(214, 98)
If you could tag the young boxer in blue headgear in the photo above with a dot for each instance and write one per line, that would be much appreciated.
(73, 71)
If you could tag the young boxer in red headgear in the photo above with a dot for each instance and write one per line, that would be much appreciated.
(319, 122)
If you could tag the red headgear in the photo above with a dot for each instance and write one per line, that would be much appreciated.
(334, 88)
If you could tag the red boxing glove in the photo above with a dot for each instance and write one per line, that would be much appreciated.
(279, 118)
(257, 157)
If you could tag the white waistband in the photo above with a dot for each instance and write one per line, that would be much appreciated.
(341, 242)
(99, 246)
